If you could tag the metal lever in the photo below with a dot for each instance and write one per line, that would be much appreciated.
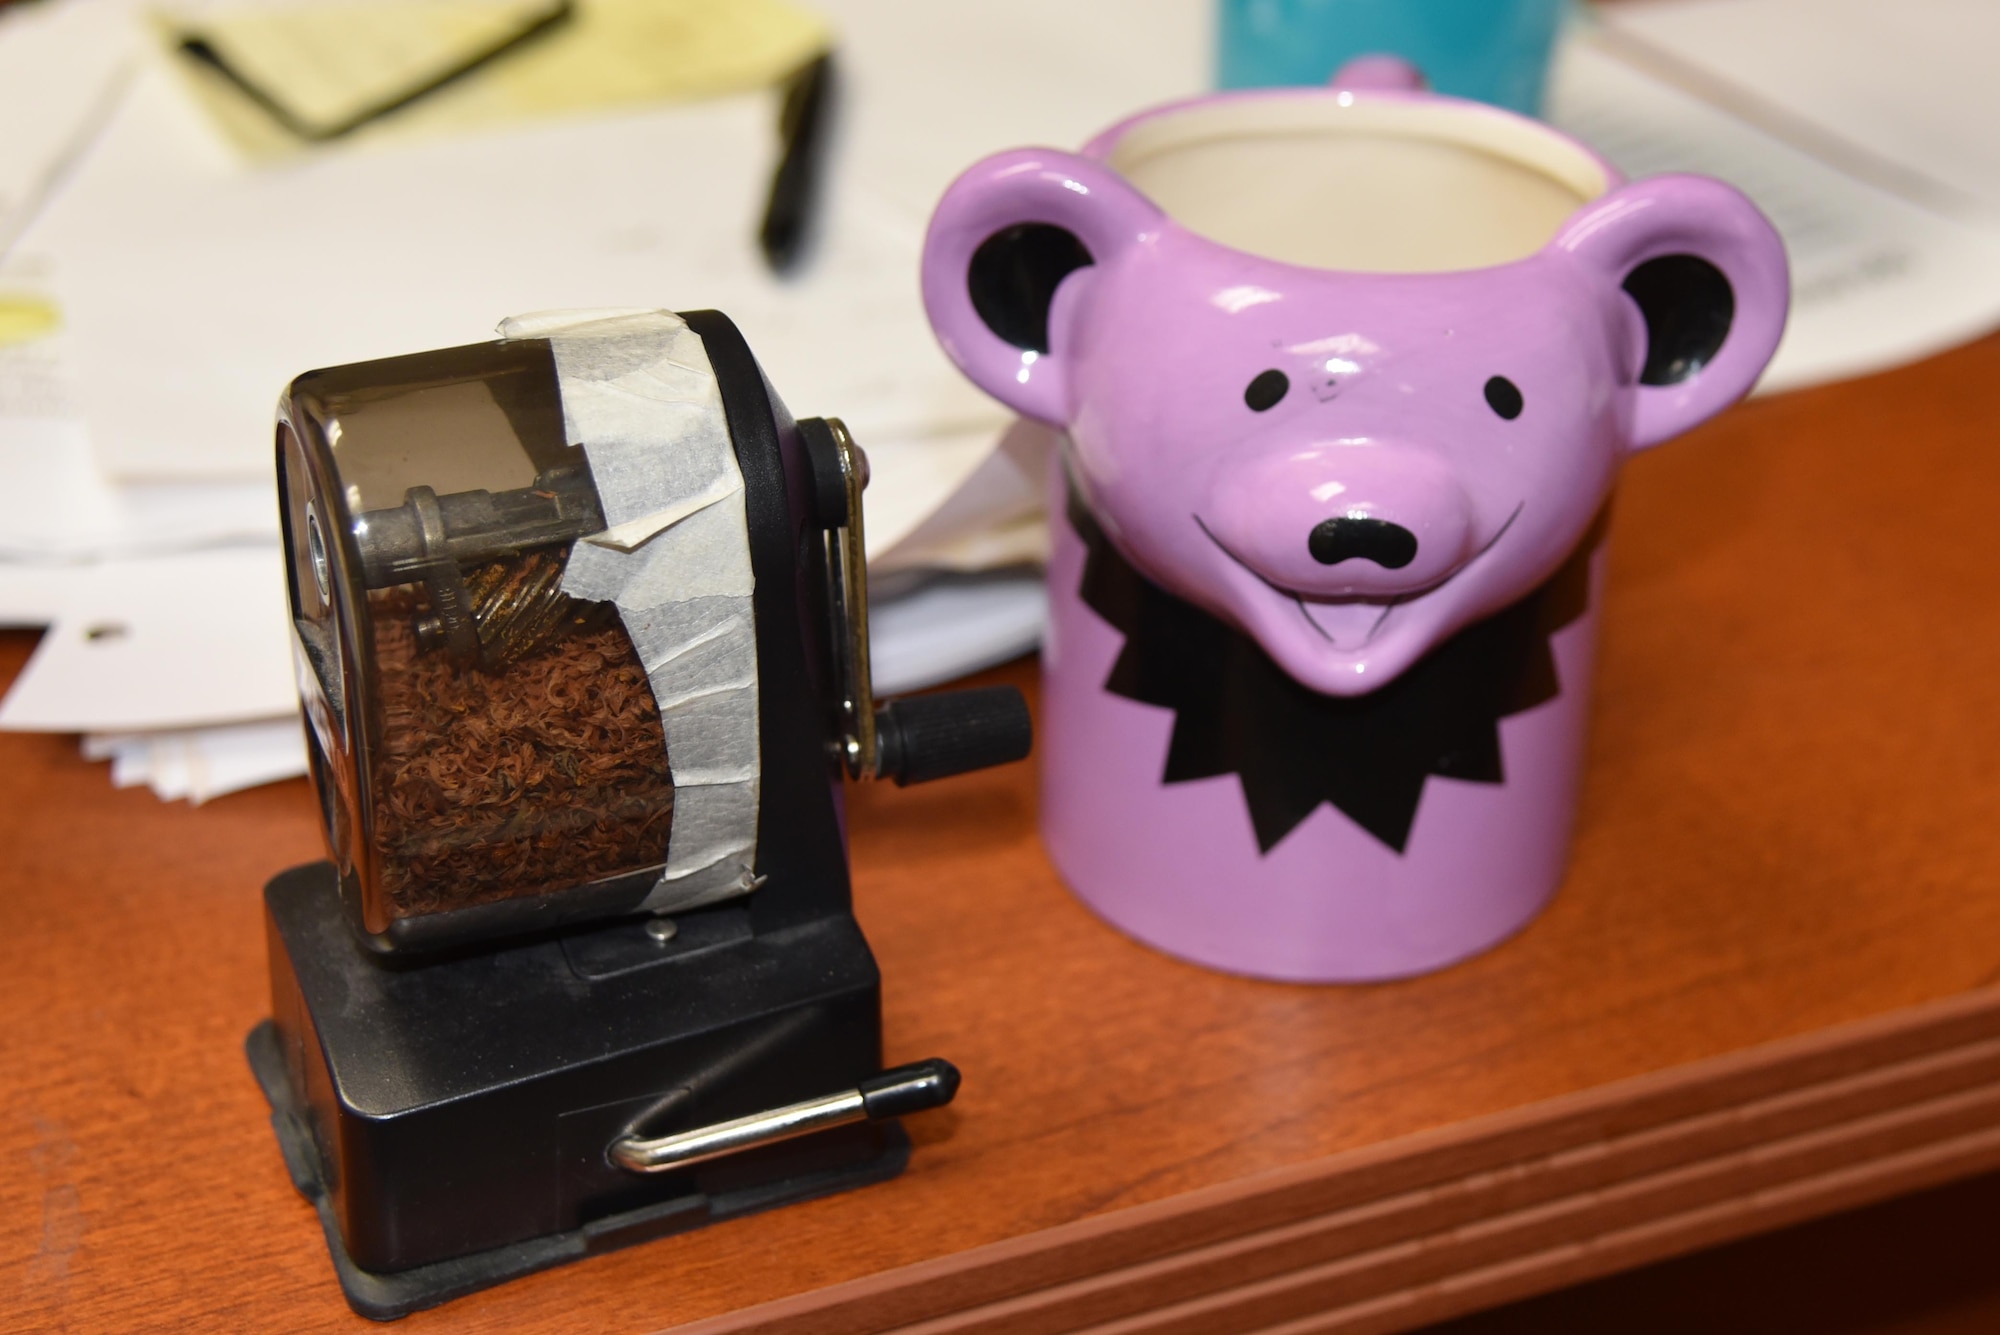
(404, 542)
(848, 552)
(907, 1089)
(434, 539)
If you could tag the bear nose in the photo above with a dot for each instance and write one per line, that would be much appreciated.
(1388, 545)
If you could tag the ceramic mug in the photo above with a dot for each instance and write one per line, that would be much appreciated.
(1346, 376)
(1490, 50)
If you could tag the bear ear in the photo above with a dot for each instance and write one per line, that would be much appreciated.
(1708, 277)
(1004, 238)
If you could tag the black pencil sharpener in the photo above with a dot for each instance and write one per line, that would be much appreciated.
(581, 632)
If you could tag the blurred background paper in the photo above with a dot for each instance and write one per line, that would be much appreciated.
(1901, 94)
(168, 641)
(196, 269)
(57, 62)
(1878, 278)
(196, 279)
(344, 256)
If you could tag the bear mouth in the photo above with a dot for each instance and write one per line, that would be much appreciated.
(1349, 625)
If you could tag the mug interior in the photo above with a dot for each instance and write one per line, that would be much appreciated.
(1359, 182)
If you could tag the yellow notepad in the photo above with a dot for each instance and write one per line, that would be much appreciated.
(326, 65)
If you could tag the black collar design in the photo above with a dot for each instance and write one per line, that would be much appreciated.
(1236, 711)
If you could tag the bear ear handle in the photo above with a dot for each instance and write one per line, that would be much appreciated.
(1003, 239)
(1709, 277)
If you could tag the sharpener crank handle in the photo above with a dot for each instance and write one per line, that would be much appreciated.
(906, 1089)
(910, 740)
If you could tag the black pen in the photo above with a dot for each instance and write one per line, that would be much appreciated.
(802, 132)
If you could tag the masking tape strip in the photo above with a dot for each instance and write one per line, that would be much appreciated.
(640, 398)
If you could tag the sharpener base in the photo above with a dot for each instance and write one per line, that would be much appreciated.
(387, 1296)
(452, 1120)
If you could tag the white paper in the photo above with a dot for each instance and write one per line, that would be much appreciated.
(1902, 94)
(993, 518)
(62, 67)
(203, 763)
(1877, 280)
(948, 625)
(347, 258)
(175, 641)
(395, 248)
(40, 595)
(56, 507)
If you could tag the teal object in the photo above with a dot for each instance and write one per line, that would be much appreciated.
(1491, 50)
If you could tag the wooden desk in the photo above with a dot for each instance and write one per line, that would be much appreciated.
(1769, 989)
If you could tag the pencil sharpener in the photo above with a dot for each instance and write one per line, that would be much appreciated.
(581, 635)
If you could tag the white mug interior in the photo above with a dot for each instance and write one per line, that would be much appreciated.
(1360, 183)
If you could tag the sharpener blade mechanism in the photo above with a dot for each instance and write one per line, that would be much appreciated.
(431, 540)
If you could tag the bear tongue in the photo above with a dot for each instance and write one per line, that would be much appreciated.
(1349, 625)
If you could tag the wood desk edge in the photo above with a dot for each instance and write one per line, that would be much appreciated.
(1125, 1249)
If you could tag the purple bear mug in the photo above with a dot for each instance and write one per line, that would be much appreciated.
(1345, 377)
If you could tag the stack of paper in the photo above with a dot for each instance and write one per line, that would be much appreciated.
(95, 558)
(201, 763)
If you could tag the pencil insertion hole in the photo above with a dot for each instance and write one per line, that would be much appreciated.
(316, 550)
(105, 631)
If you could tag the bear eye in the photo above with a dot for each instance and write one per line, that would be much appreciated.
(1264, 392)
(1503, 397)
